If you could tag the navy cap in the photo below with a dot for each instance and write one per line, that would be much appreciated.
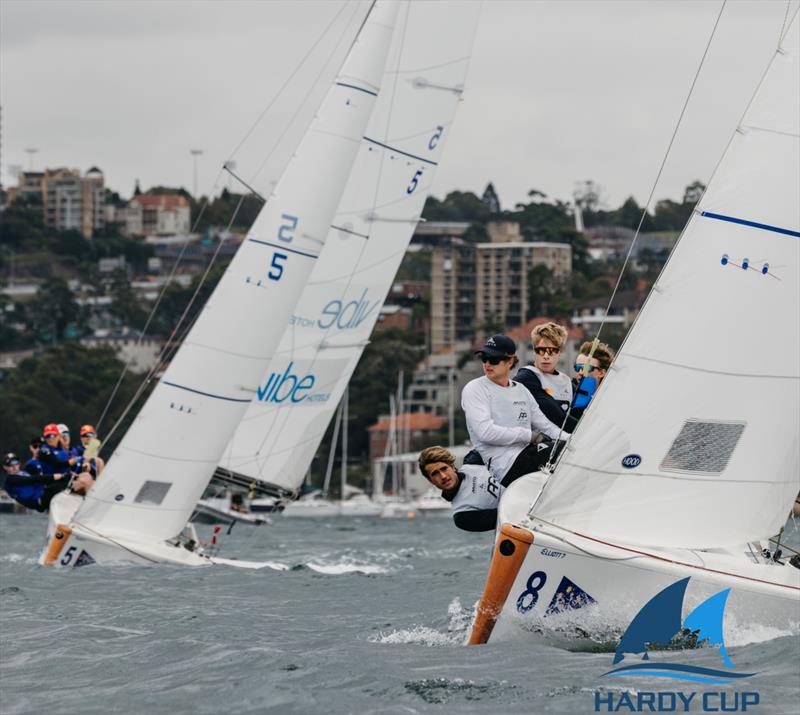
(498, 346)
(10, 460)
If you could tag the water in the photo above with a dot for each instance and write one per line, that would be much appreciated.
(371, 617)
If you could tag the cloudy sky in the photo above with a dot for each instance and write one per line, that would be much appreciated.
(558, 92)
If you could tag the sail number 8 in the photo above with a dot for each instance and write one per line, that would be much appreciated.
(286, 234)
(535, 582)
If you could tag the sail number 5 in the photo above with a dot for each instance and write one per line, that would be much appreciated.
(285, 234)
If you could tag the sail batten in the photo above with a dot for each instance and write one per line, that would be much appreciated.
(692, 441)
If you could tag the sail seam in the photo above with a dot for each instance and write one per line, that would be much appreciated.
(360, 89)
(695, 476)
(400, 151)
(713, 372)
(206, 394)
(753, 128)
(751, 224)
(291, 250)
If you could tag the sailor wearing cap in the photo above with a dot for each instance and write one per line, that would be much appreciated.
(504, 422)
(32, 491)
(52, 454)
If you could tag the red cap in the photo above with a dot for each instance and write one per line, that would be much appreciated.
(87, 429)
(52, 428)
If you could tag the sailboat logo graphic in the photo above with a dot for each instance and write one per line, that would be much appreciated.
(659, 621)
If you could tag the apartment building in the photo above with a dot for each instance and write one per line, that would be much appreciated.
(70, 201)
(477, 285)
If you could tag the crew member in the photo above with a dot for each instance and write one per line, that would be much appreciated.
(551, 389)
(52, 455)
(589, 373)
(32, 491)
(505, 424)
(472, 491)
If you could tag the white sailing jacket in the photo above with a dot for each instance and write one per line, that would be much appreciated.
(501, 420)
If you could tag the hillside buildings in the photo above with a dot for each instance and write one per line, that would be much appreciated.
(70, 201)
(475, 286)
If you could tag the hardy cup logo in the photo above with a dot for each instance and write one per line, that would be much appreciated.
(659, 621)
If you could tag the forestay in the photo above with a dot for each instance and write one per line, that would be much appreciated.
(381, 206)
(693, 439)
(168, 456)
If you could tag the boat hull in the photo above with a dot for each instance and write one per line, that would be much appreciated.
(78, 546)
(571, 584)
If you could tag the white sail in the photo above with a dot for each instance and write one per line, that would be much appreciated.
(693, 439)
(381, 206)
(167, 457)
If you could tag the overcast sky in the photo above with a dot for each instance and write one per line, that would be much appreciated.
(557, 92)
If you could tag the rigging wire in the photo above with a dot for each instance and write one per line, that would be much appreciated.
(596, 341)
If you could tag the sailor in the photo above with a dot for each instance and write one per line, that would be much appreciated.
(52, 455)
(589, 372)
(33, 465)
(32, 491)
(63, 430)
(472, 491)
(551, 389)
(87, 434)
(505, 424)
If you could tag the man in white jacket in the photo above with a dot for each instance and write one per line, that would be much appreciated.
(505, 424)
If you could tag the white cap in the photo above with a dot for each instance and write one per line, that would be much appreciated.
(62, 428)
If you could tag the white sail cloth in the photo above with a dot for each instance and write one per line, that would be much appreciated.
(381, 206)
(693, 439)
(167, 457)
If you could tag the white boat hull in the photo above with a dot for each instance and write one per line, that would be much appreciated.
(575, 584)
(82, 546)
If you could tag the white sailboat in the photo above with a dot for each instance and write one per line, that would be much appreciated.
(154, 479)
(686, 461)
(382, 203)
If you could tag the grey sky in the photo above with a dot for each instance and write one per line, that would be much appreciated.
(558, 91)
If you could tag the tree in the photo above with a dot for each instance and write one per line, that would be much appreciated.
(125, 304)
(69, 384)
(54, 315)
(491, 199)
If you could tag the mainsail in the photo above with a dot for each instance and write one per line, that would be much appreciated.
(693, 439)
(167, 457)
(381, 205)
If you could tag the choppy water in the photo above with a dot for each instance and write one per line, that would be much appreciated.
(371, 617)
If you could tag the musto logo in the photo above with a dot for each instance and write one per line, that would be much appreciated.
(288, 386)
(657, 624)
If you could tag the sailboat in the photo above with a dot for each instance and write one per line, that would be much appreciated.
(281, 431)
(686, 461)
(145, 496)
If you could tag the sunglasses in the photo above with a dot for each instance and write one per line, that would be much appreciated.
(542, 350)
(51, 436)
(491, 359)
(592, 368)
(88, 435)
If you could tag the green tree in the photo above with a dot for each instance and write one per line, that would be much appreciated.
(68, 383)
(54, 315)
